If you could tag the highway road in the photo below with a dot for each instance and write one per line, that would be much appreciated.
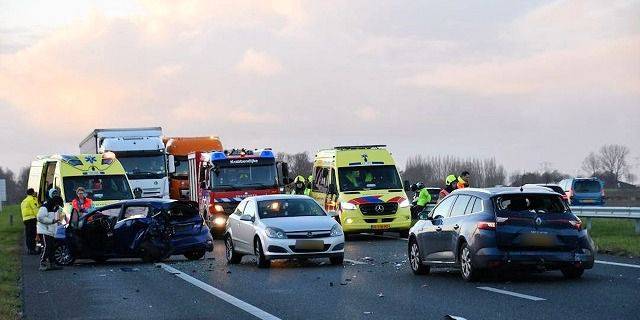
(374, 283)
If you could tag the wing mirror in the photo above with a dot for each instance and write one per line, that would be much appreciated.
(246, 217)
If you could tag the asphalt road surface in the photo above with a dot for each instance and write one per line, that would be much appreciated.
(374, 283)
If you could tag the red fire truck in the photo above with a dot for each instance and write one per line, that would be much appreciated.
(219, 180)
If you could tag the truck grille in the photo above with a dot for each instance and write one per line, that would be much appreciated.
(387, 208)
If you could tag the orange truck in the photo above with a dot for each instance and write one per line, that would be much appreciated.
(177, 149)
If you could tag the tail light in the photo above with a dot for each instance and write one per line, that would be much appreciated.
(485, 225)
(576, 224)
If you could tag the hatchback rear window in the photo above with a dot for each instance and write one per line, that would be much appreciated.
(507, 205)
(587, 186)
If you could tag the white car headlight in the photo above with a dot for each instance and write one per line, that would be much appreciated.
(275, 233)
(347, 206)
(336, 230)
(405, 203)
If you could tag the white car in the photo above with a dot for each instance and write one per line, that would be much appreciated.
(282, 227)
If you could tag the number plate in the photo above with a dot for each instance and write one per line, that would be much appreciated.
(310, 244)
(380, 226)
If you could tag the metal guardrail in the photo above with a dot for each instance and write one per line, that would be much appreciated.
(589, 212)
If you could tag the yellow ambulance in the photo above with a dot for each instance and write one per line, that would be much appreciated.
(101, 175)
(361, 187)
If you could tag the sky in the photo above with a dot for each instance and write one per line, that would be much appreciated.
(530, 83)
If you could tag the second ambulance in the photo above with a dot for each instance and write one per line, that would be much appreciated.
(361, 187)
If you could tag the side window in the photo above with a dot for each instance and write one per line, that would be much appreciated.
(460, 205)
(111, 212)
(250, 209)
(477, 206)
(135, 212)
(471, 204)
(443, 208)
(240, 208)
(321, 181)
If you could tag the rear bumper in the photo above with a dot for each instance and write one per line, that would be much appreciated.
(201, 241)
(494, 257)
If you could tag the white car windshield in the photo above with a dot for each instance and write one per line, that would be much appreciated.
(280, 208)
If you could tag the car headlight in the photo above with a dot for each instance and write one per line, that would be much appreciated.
(405, 203)
(275, 233)
(336, 230)
(347, 206)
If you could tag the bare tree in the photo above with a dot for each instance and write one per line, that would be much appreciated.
(592, 164)
(613, 158)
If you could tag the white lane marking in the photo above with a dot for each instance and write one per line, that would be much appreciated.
(258, 313)
(355, 261)
(511, 293)
(618, 264)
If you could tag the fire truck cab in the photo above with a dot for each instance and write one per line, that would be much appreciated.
(219, 180)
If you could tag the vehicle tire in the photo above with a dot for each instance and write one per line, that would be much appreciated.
(63, 255)
(261, 260)
(572, 272)
(233, 257)
(415, 262)
(404, 234)
(468, 271)
(337, 261)
(195, 254)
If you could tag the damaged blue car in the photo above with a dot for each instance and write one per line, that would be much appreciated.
(150, 229)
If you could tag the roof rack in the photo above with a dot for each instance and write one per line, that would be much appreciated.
(372, 146)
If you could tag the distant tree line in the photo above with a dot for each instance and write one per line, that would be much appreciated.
(16, 184)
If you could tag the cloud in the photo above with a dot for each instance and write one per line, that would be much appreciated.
(566, 46)
(258, 63)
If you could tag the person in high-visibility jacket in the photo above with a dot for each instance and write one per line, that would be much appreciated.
(29, 207)
(307, 190)
(299, 185)
(424, 197)
(463, 180)
(451, 183)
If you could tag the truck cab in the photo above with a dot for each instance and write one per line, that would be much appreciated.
(219, 180)
(178, 149)
(141, 152)
(361, 187)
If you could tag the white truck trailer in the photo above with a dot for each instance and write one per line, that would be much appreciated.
(141, 152)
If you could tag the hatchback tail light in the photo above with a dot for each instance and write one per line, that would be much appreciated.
(485, 225)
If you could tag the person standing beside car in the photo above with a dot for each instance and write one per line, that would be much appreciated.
(29, 208)
(463, 180)
(49, 215)
(451, 183)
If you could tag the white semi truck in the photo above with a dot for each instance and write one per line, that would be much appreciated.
(141, 152)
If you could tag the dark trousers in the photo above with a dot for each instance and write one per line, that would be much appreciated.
(47, 253)
(30, 234)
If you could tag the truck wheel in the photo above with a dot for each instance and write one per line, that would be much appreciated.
(195, 254)
(261, 260)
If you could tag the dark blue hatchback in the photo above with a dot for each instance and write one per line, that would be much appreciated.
(151, 229)
(483, 229)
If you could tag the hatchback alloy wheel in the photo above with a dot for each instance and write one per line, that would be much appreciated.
(63, 255)
(469, 273)
(414, 259)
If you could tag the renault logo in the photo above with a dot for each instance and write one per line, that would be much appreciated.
(538, 221)
(379, 208)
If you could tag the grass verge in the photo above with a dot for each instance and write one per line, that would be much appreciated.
(10, 262)
(616, 236)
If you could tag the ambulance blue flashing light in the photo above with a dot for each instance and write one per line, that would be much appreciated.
(267, 154)
(218, 155)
